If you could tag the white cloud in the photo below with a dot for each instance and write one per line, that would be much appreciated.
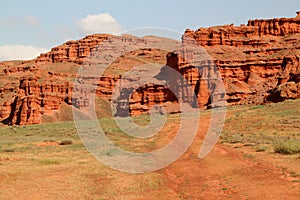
(19, 52)
(101, 23)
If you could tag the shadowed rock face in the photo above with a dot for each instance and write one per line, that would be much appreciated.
(254, 61)
(258, 62)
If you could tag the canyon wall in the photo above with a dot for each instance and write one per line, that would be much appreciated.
(253, 60)
(258, 63)
(252, 35)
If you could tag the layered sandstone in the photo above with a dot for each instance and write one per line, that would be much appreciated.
(253, 35)
(258, 62)
(255, 59)
(73, 51)
(40, 87)
(35, 99)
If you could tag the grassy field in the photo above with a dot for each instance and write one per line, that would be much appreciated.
(273, 127)
(48, 161)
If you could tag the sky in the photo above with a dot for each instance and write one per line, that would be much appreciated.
(34, 26)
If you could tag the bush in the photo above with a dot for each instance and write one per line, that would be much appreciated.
(48, 162)
(287, 147)
(49, 140)
(8, 150)
(261, 148)
(232, 139)
(66, 142)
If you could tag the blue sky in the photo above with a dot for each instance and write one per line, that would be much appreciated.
(32, 26)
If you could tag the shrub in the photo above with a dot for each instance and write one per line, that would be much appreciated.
(261, 148)
(49, 140)
(8, 150)
(287, 147)
(48, 162)
(66, 142)
(232, 139)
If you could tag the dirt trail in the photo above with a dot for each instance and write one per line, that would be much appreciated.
(227, 174)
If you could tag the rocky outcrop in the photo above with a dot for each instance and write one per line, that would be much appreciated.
(278, 26)
(255, 59)
(40, 87)
(78, 51)
(289, 90)
(73, 51)
(141, 100)
(35, 99)
(258, 62)
(250, 35)
(288, 80)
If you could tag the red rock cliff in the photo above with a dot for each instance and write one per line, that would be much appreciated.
(73, 51)
(258, 62)
(253, 60)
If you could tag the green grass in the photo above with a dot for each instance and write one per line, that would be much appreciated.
(287, 147)
(48, 162)
(142, 120)
(261, 148)
(130, 143)
(263, 126)
(26, 135)
(71, 166)
(260, 126)
(232, 138)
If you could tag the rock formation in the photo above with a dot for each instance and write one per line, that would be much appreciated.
(73, 51)
(255, 59)
(258, 62)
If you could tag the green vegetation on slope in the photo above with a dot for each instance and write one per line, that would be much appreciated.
(274, 125)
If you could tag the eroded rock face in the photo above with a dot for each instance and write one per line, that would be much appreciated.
(258, 62)
(31, 90)
(289, 90)
(73, 51)
(34, 99)
(252, 35)
(254, 59)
